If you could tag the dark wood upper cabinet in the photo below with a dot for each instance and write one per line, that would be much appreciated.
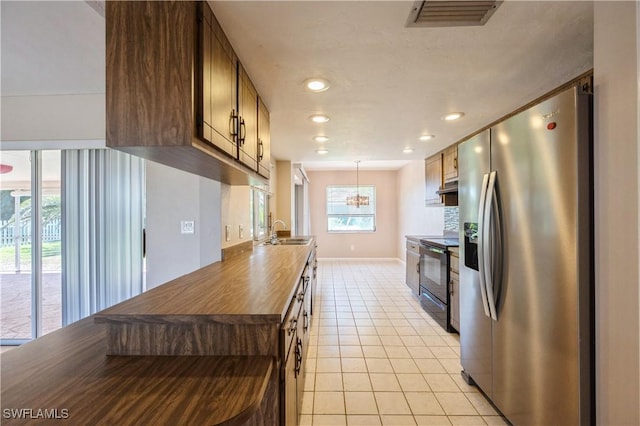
(247, 120)
(433, 179)
(450, 163)
(264, 140)
(172, 89)
(217, 109)
(149, 80)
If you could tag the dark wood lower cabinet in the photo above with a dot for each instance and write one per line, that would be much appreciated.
(289, 394)
(454, 287)
(296, 332)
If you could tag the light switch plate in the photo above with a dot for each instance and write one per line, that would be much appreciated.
(240, 231)
(187, 227)
(227, 233)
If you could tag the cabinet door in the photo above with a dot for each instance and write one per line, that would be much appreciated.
(413, 267)
(300, 353)
(290, 389)
(248, 125)
(433, 178)
(264, 140)
(216, 104)
(450, 163)
(454, 288)
(455, 300)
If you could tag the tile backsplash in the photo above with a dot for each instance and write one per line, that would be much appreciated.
(451, 221)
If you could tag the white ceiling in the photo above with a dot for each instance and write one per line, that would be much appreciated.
(389, 84)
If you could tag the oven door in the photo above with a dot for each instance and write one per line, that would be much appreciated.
(433, 271)
(434, 307)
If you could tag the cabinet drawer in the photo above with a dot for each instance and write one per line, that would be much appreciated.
(413, 246)
(454, 261)
(291, 322)
(455, 264)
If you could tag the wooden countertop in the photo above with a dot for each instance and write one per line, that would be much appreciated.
(68, 371)
(253, 288)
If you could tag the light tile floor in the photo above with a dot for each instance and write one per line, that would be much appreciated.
(376, 358)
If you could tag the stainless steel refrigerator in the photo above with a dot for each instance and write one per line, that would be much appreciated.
(526, 262)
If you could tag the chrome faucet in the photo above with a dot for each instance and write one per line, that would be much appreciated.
(274, 234)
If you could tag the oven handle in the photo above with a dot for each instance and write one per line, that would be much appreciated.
(481, 244)
(432, 300)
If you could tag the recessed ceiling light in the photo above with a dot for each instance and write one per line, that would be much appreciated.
(322, 151)
(426, 137)
(319, 118)
(407, 150)
(317, 84)
(453, 116)
(320, 138)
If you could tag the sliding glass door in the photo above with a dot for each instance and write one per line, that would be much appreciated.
(30, 245)
(71, 237)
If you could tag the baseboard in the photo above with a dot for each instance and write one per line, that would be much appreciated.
(360, 259)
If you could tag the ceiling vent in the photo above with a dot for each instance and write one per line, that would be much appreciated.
(428, 13)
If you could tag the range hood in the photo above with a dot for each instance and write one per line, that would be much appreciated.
(449, 193)
(448, 188)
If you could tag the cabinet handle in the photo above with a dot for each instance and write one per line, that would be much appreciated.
(300, 296)
(418, 267)
(305, 323)
(260, 150)
(243, 131)
(455, 163)
(233, 128)
(292, 327)
(298, 365)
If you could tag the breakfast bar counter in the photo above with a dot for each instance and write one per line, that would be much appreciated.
(73, 374)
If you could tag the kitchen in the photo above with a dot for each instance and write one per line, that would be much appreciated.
(612, 237)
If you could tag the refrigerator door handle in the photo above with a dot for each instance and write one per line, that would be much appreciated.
(482, 243)
(487, 245)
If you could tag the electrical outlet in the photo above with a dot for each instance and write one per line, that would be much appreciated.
(240, 232)
(187, 227)
(227, 233)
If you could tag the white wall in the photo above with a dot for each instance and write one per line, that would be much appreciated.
(414, 218)
(381, 243)
(283, 193)
(53, 117)
(171, 197)
(616, 76)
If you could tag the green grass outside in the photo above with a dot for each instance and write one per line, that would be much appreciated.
(51, 257)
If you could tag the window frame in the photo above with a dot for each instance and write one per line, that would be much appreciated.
(256, 203)
(371, 190)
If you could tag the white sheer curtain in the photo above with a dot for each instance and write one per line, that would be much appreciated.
(102, 227)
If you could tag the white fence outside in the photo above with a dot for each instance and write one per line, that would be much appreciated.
(50, 232)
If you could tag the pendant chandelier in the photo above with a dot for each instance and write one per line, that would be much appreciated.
(357, 200)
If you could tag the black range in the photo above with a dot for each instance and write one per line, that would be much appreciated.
(434, 278)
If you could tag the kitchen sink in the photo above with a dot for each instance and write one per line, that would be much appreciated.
(294, 241)
(289, 242)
